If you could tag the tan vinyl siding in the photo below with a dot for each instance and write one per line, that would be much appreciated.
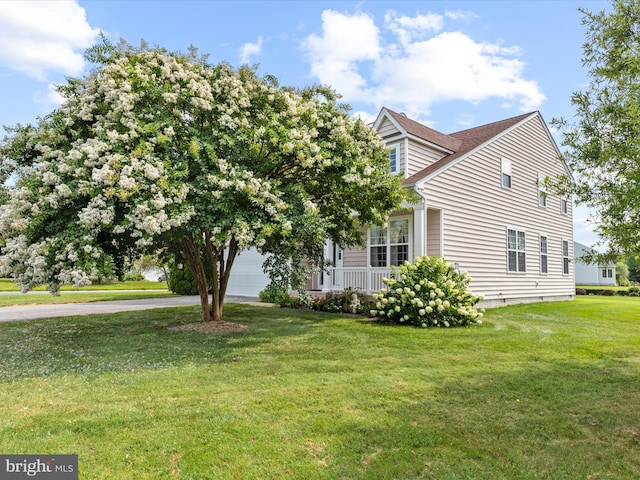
(387, 128)
(421, 156)
(355, 257)
(477, 212)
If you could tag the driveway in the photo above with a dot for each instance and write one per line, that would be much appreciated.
(32, 312)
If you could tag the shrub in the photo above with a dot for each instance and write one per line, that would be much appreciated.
(634, 289)
(634, 294)
(347, 301)
(273, 294)
(289, 301)
(581, 291)
(181, 281)
(133, 277)
(607, 293)
(428, 292)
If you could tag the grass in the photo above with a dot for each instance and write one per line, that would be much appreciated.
(544, 391)
(89, 293)
(7, 285)
(7, 300)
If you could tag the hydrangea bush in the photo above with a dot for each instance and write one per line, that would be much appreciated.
(429, 292)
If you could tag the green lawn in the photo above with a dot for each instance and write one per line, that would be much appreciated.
(7, 285)
(89, 293)
(545, 391)
(7, 300)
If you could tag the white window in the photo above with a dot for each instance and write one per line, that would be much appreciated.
(544, 258)
(506, 173)
(607, 273)
(516, 251)
(394, 158)
(565, 257)
(389, 245)
(542, 191)
(564, 206)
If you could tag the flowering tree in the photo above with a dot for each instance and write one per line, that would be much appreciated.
(159, 149)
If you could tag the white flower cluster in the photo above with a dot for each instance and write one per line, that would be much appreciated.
(152, 141)
(428, 292)
(25, 262)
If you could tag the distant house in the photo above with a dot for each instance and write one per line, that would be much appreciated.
(482, 205)
(592, 274)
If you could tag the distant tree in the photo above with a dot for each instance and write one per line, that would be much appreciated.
(622, 273)
(604, 144)
(634, 268)
(156, 149)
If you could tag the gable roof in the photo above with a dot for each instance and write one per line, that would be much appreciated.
(423, 132)
(458, 145)
(470, 140)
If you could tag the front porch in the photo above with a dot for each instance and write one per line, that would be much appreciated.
(363, 279)
(409, 233)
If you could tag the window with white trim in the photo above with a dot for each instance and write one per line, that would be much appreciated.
(394, 158)
(607, 273)
(564, 205)
(565, 257)
(506, 172)
(544, 257)
(542, 191)
(389, 245)
(516, 251)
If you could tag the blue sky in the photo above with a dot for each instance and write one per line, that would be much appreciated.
(451, 65)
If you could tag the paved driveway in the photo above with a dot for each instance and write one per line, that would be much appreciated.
(31, 312)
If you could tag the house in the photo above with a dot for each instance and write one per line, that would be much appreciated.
(483, 205)
(592, 274)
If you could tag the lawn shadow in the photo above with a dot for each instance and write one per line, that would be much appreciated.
(97, 344)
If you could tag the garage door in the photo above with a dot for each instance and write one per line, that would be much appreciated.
(247, 277)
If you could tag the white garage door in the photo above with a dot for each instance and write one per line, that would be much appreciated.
(247, 277)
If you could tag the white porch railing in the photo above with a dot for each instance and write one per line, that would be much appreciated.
(363, 279)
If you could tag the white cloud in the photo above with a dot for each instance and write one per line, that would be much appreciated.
(407, 28)
(250, 50)
(466, 120)
(41, 37)
(460, 15)
(366, 117)
(346, 42)
(417, 64)
(50, 97)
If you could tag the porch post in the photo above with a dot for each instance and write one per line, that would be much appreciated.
(327, 278)
(419, 230)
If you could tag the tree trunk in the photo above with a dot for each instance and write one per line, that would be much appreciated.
(220, 272)
(191, 250)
